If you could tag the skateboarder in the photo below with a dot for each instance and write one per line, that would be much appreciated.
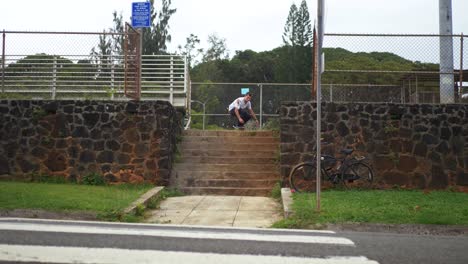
(241, 109)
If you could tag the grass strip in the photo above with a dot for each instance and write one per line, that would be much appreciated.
(63, 197)
(379, 206)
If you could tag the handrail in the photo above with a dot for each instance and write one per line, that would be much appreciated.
(63, 75)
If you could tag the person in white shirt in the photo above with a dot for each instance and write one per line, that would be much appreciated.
(242, 110)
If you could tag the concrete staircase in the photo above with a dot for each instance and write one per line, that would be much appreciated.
(227, 162)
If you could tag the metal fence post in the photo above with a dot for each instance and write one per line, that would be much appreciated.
(112, 91)
(3, 61)
(261, 105)
(54, 78)
(417, 91)
(204, 110)
(171, 95)
(460, 87)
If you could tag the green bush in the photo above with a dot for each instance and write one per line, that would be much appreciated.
(276, 192)
(140, 210)
(93, 179)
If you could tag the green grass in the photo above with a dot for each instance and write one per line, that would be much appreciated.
(68, 197)
(377, 206)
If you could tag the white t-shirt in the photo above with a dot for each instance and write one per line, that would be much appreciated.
(240, 103)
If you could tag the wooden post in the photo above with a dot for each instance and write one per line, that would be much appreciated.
(314, 66)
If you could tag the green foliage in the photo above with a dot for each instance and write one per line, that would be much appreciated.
(15, 96)
(93, 179)
(140, 210)
(191, 49)
(376, 206)
(207, 94)
(156, 37)
(38, 113)
(217, 49)
(390, 128)
(272, 124)
(298, 29)
(276, 191)
(289, 35)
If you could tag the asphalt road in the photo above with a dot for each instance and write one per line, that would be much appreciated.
(49, 241)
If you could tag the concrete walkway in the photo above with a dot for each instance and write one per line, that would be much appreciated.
(237, 211)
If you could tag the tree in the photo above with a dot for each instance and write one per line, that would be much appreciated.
(298, 29)
(217, 49)
(102, 56)
(304, 34)
(155, 37)
(190, 49)
(117, 39)
(289, 35)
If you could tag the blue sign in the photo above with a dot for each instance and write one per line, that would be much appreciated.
(244, 91)
(141, 14)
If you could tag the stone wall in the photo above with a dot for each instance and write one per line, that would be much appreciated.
(415, 146)
(123, 141)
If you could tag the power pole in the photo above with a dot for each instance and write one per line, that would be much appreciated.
(320, 13)
(447, 95)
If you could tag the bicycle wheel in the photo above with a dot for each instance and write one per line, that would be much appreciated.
(303, 177)
(357, 175)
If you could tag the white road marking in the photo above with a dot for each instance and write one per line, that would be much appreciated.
(50, 254)
(54, 221)
(199, 234)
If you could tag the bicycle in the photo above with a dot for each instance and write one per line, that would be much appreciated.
(352, 172)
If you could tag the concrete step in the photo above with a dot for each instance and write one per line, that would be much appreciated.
(238, 183)
(227, 153)
(226, 167)
(245, 159)
(229, 147)
(230, 133)
(183, 174)
(227, 162)
(226, 191)
(231, 139)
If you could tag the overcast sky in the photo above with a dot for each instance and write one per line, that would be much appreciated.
(245, 24)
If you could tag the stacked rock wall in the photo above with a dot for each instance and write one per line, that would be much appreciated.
(123, 141)
(418, 146)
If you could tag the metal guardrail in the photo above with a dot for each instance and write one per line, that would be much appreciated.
(164, 77)
(40, 72)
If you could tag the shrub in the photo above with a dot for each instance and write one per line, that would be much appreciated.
(93, 179)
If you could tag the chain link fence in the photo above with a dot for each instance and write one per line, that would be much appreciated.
(408, 65)
(358, 68)
(213, 99)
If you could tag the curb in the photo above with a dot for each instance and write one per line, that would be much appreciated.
(286, 199)
(144, 199)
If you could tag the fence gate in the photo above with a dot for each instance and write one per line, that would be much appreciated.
(132, 54)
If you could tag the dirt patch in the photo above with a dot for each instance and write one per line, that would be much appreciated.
(43, 214)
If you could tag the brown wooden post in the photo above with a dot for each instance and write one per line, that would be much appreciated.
(314, 66)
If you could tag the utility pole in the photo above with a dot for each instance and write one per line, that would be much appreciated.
(447, 95)
(320, 9)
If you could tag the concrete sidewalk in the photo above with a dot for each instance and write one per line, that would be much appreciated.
(237, 211)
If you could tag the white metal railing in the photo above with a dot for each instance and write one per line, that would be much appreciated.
(75, 77)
